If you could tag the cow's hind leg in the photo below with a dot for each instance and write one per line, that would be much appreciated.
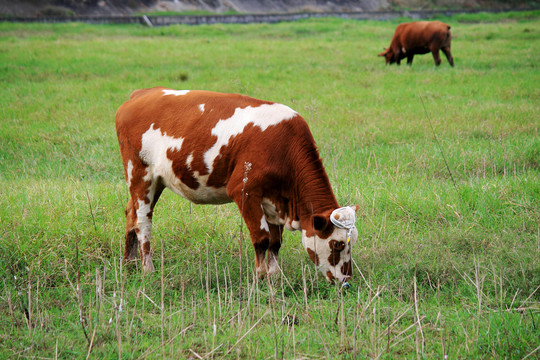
(448, 54)
(145, 192)
(131, 243)
(144, 223)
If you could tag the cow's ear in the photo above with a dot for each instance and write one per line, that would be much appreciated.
(320, 222)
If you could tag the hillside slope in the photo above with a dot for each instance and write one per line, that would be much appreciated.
(126, 7)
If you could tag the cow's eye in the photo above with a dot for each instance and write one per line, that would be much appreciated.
(337, 245)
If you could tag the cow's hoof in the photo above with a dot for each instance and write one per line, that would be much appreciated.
(272, 265)
(148, 265)
(261, 271)
(261, 274)
(128, 261)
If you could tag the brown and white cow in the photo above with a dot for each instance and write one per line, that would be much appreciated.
(419, 37)
(214, 148)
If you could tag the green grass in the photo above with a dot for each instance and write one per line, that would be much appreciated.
(446, 264)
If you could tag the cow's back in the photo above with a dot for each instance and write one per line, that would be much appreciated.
(422, 33)
(195, 140)
(179, 111)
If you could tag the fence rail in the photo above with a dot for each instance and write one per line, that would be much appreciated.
(246, 18)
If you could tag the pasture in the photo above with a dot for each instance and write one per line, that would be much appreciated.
(444, 163)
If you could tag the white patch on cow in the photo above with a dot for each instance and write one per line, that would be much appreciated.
(148, 175)
(201, 107)
(174, 92)
(155, 145)
(262, 116)
(264, 224)
(129, 172)
(319, 246)
(189, 160)
(144, 222)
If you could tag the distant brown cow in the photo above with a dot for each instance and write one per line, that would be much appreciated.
(419, 38)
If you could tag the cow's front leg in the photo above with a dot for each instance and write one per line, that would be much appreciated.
(259, 230)
(276, 232)
(261, 248)
(436, 56)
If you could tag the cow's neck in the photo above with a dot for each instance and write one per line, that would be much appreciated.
(314, 193)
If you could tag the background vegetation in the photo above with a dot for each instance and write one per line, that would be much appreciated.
(66, 8)
(444, 163)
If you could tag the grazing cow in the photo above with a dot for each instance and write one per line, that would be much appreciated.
(419, 38)
(214, 148)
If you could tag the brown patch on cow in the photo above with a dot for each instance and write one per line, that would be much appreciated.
(329, 275)
(346, 269)
(218, 177)
(335, 251)
(146, 248)
(313, 256)
(321, 225)
(131, 216)
(131, 244)
(336, 245)
(182, 171)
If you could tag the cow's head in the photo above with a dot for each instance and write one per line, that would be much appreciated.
(388, 56)
(393, 55)
(329, 243)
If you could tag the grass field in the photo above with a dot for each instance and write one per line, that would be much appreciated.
(444, 163)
